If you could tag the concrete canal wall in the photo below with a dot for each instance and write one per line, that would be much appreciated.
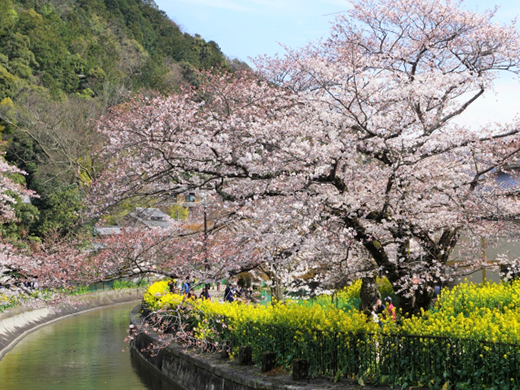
(188, 370)
(17, 322)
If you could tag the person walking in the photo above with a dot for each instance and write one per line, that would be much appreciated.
(186, 287)
(229, 294)
(205, 293)
(390, 307)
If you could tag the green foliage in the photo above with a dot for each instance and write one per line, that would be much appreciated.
(7, 302)
(178, 211)
(385, 287)
(8, 84)
(27, 216)
(121, 284)
(82, 44)
(123, 208)
(349, 297)
(8, 16)
(80, 290)
(97, 73)
(60, 210)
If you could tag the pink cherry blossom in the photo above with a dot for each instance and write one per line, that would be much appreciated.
(343, 157)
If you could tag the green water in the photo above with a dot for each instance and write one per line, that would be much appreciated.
(83, 352)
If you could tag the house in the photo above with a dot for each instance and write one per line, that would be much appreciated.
(139, 218)
(491, 250)
(107, 230)
(148, 217)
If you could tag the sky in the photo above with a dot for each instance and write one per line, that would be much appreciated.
(246, 29)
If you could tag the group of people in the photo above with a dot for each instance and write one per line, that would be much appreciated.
(31, 284)
(380, 311)
(233, 292)
(187, 289)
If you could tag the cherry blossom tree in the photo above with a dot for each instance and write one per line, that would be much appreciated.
(352, 137)
(10, 192)
(133, 253)
(175, 252)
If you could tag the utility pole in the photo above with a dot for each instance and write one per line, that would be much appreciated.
(206, 265)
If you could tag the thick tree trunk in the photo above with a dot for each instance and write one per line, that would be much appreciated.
(369, 294)
(276, 291)
(412, 305)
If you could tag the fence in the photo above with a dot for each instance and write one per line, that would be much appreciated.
(117, 284)
(394, 359)
(101, 286)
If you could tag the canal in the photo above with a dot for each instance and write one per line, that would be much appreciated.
(82, 352)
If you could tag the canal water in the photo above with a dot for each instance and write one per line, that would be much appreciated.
(83, 352)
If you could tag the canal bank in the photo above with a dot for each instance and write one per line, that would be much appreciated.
(190, 370)
(17, 322)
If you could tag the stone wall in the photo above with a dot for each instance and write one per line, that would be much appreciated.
(188, 370)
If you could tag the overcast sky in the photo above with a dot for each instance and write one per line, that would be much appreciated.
(249, 28)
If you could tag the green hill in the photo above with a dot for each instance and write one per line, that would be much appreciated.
(63, 63)
(79, 46)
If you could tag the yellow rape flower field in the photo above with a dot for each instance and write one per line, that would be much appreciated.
(488, 312)
(479, 325)
(290, 313)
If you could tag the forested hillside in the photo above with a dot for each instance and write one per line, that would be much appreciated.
(77, 46)
(63, 63)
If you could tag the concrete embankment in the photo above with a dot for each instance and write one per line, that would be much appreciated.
(189, 370)
(17, 322)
